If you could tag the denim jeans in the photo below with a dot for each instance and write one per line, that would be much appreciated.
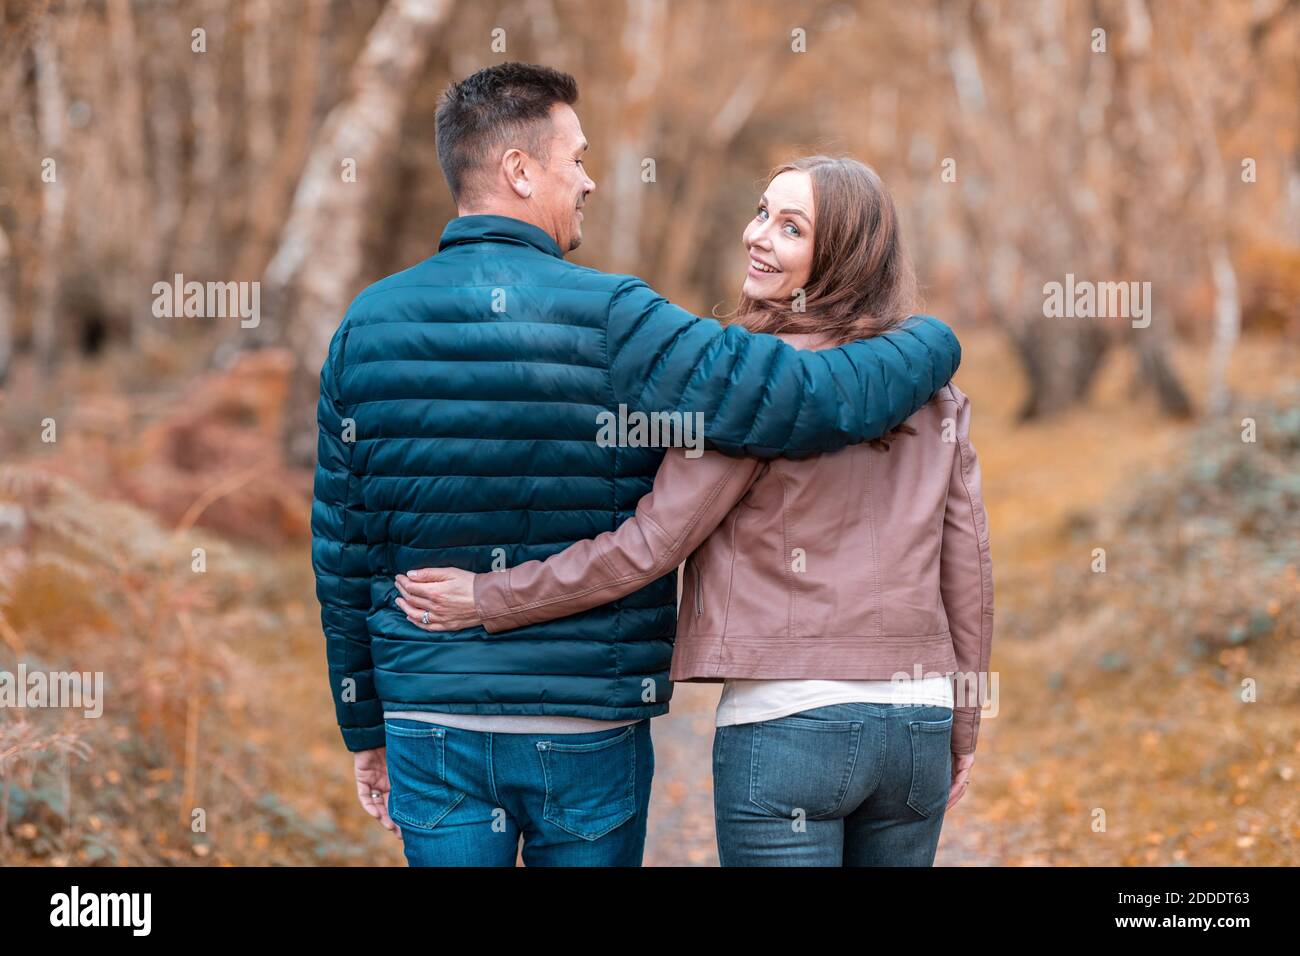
(843, 785)
(465, 797)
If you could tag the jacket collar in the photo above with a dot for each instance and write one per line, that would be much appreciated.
(466, 229)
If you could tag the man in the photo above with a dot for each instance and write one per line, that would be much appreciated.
(459, 416)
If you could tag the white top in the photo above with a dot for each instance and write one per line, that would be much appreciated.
(512, 723)
(749, 701)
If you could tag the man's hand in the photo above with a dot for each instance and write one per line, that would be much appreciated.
(446, 594)
(961, 764)
(371, 767)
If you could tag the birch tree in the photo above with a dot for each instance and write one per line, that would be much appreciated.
(316, 267)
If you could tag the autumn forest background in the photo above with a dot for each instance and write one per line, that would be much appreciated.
(1147, 712)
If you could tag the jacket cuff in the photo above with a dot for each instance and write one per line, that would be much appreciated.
(363, 738)
(494, 601)
(965, 729)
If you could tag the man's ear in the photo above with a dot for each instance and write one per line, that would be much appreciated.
(514, 166)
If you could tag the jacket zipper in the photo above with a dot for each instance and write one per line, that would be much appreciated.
(699, 595)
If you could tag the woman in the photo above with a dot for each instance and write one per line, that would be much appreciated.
(846, 600)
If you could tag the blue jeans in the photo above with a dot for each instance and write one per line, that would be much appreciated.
(843, 785)
(465, 797)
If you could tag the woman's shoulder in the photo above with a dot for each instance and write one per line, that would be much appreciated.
(950, 394)
(946, 407)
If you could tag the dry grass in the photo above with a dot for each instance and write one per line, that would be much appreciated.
(1120, 693)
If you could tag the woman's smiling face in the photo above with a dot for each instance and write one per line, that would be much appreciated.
(779, 239)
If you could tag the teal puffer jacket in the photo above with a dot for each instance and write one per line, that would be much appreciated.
(458, 427)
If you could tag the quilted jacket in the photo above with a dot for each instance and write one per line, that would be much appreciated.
(460, 407)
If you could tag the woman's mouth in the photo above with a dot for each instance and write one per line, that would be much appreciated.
(757, 267)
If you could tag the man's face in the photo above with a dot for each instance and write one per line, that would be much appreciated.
(564, 185)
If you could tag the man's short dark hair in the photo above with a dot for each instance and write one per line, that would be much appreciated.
(498, 107)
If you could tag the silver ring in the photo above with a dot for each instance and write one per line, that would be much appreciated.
(374, 794)
(425, 619)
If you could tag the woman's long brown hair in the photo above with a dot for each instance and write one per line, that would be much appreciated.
(862, 282)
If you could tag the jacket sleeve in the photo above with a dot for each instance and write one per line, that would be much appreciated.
(966, 585)
(690, 498)
(763, 397)
(338, 557)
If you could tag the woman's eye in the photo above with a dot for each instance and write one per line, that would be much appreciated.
(793, 227)
(762, 213)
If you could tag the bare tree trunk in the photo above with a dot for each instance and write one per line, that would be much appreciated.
(1227, 325)
(193, 251)
(1227, 300)
(1291, 209)
(643, 57)
(274, 186)
(129, 143)
(6, 307)
(258, 82)
(1060, 361)
(1060, 368)
(51, 108)
(314, 271)
(165, 116)
(1154, 369)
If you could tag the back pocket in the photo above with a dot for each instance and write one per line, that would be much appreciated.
(931, 765)
(590, 787)
(798, 764)
(418, 792)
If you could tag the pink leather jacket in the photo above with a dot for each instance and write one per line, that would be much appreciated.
(858, 565)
